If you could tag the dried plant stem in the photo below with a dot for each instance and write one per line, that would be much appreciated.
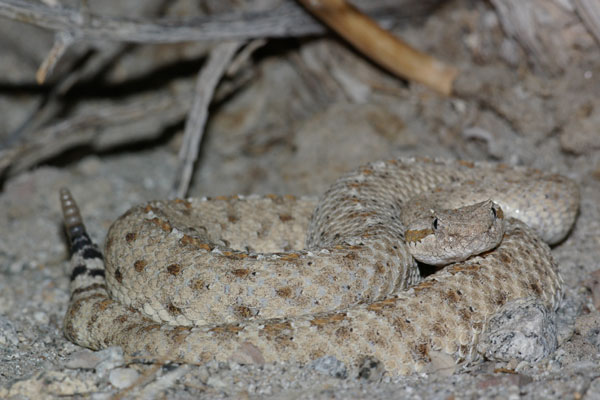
(285, 19)
(208, 78)
(381, 46)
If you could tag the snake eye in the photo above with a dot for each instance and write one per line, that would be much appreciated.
(494, 212)
(435, 223)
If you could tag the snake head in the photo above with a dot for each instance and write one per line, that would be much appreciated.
(441, 237)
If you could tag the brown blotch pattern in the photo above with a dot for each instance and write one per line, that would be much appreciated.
(278, 331)
(173, 309)
(328, 319)
(464, 268)
(174, 269)
(343, 333)
(451, 296)
(423, 285)
(423, 350)
(162, 224)
(235, 255)
(243, 312)
(225, 331)
(403, 326)
(150, 327)
(109, 243)
(139, 265)
(536, 288)
(381, 305)
(103, 305)
(121, 319)
(118, 275)
(197, 284)
(190, 240)
(241, 272)
(284, 292)
(285, 217)
(180, 333)
(439, 330)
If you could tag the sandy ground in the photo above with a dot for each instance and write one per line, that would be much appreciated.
(309, 114)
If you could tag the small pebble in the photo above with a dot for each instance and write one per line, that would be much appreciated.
(102, 360)
(371, 369)
(41, 317)
(112, 357)
(523, 329)
(122, 378)
(85, 359)
(8, 333)
(216, 382)
(593, 284)
(329, 365)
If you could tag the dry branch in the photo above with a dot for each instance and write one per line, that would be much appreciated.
(208, 78)
(381, 46)
(61, 42)
(286, 20)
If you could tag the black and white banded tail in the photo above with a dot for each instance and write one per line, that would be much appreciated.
(87, 264)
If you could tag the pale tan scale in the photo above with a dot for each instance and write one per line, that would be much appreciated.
(230, 278)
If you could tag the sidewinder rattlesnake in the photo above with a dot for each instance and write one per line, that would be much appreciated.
(223, 278)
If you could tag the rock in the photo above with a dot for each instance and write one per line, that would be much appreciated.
(329, 365)
(588, 326)
(122, 378)
(102, 361)
(371, 369)
(48, 384)
(8, 333)
(523, 329)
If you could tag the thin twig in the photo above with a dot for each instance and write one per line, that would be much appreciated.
(47, 106)
(62, 42)
(78, 66)
(244, 55)
(208, 78)
(94, 128)
(286, 20)
(381, 46)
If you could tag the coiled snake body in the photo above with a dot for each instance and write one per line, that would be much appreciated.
(201, 279)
